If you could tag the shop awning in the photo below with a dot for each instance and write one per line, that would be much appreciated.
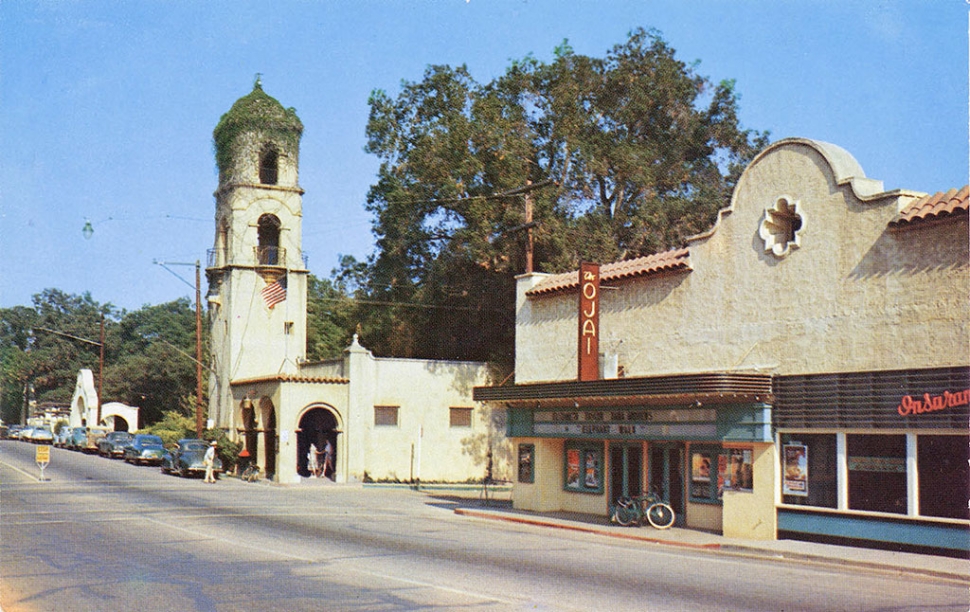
(707, 388)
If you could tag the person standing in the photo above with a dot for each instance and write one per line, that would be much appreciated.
(327, 459)
(209, 460)
(311, 461)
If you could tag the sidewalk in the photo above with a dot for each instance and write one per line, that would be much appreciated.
(792, 551)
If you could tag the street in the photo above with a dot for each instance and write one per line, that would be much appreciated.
(104, 535)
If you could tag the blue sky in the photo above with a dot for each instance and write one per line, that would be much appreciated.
(107, 108)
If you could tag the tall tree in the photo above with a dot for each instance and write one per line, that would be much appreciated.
(618, 156)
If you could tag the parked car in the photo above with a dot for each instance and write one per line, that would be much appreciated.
(77, 439)
(113, 444)
(92, 437)
(41, 435)
(24, 435)
(145, 448)
(186, 458)
(13, 431)
(60, 438)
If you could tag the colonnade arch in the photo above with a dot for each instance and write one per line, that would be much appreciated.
(258, 421)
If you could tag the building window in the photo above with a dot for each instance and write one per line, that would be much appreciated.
(269, 166)
(460, 417)
(780, 227)
(739, 472)
(877, 472)
(386, 416)
(527, 459)
(943, 463)
(809, 470)
(584, 468)
(268, 233)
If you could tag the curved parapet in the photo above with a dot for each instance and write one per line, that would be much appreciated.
(845, 171)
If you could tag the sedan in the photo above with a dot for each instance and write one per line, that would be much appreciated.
(187, 458)
(41, 435)
(113, 445)
(145, 448)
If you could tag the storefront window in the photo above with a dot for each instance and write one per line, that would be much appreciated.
(713, 470)
(942, 462)
(739, 475)
(584, 468)
(809, 470)
(702, 464)
(877, 472)
(527, 455)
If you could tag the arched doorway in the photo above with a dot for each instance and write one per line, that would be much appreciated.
(318, 427)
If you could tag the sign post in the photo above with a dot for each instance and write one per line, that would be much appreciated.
(43, 459)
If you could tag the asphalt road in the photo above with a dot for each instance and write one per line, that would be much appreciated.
(103, 535)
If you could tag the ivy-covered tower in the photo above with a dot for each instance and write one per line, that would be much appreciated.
(256, 270)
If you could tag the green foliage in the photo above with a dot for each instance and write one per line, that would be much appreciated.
(148, 353)
(172, 427)
(620, 156)
(330, 318)
(261, 116)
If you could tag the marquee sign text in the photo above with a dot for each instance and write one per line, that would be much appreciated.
(589, 321)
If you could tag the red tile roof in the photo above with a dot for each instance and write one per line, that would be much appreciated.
(291, 378)
(677, 259)
(934, 206)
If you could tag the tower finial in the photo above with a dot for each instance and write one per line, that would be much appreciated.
(259, 81)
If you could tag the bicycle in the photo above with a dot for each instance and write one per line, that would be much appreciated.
(251, 473)
(646, 508)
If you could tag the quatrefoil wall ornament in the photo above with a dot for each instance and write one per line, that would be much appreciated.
(781, 226)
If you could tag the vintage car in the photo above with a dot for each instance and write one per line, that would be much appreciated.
(145, 448)
(14, 431)
(60, 438)
(41, 435)
(92, 438)
(186, 458)
(77, 439)
(113, 444)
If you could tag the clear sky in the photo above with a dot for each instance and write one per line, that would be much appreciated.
(107, 108)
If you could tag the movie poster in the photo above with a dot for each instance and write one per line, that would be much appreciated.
(795, 479)
(572, 468)
(592, 470)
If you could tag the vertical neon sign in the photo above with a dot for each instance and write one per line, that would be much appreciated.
(589, 321)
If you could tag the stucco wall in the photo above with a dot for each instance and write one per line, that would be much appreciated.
(855, 296)
(750, 514)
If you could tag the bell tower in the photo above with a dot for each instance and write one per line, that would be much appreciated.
(256, 269)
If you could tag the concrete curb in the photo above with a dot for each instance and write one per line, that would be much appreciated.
(728, 549)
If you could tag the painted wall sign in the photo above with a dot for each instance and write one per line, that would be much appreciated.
(589, 321)
(933, 403)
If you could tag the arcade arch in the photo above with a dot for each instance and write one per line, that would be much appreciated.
(318, 425)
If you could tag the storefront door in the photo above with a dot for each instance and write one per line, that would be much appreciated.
(626, 471)
(667, 476)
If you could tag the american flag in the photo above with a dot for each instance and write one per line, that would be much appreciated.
(274, 293)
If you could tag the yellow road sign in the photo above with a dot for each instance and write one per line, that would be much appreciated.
(43, 454)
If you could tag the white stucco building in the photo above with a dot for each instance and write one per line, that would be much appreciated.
(395, 419)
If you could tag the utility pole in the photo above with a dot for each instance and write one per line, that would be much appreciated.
(198, 352)
(199, 421)
(530, 239)
(101, 371)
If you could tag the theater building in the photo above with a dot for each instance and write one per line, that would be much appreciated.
(798, 371)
